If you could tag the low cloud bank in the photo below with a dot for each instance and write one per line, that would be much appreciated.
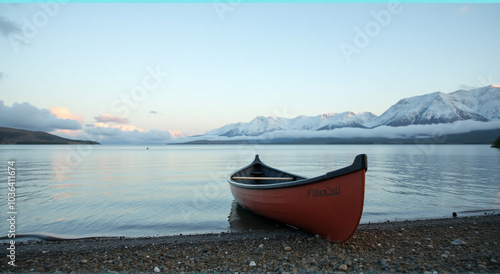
(29, 117)
(405, 132)
(107, 129)
(118, 136)
(106, 135)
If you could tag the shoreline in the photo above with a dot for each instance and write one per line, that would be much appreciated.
(463, 244)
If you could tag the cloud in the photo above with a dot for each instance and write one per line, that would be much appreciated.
(65, 113)
(7, 27)
(153, 112)
(2, 75)
(119, 127)
(108, 118)
(176, 133)
(114, 124)
(109, 129)
(114, 135)
(27, 116)
(14, 33)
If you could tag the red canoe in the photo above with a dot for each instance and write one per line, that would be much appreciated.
(329, 205)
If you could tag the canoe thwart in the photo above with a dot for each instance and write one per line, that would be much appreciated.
(262, 178)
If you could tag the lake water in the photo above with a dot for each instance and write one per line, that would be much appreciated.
(80, 191)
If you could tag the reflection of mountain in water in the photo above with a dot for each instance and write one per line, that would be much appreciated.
(241, 220)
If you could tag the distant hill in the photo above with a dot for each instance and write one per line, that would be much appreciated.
(14, 136)
(496, 143)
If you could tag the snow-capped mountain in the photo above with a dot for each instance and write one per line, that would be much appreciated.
(485, 101)
(481, 104)
(346, 119)
(261, 125)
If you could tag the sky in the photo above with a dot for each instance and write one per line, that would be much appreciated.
(141, 73)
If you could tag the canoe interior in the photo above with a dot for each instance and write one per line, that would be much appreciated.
(263, 175)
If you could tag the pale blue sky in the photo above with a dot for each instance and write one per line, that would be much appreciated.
(227, 66)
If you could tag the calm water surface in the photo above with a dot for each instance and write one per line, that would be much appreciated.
(78, 191)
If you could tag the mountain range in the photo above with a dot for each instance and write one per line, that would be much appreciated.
(478, 105)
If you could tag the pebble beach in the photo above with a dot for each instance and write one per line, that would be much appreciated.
(462, 244)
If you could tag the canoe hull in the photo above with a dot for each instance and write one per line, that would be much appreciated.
(331, 208)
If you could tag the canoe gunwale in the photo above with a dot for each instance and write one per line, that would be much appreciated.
(360, 163)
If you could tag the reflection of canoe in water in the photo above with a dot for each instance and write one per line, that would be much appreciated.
(242, 220)
(329, 205)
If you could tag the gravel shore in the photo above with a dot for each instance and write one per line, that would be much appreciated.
(469, 244)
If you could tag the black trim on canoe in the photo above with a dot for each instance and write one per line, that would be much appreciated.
(360, 162)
